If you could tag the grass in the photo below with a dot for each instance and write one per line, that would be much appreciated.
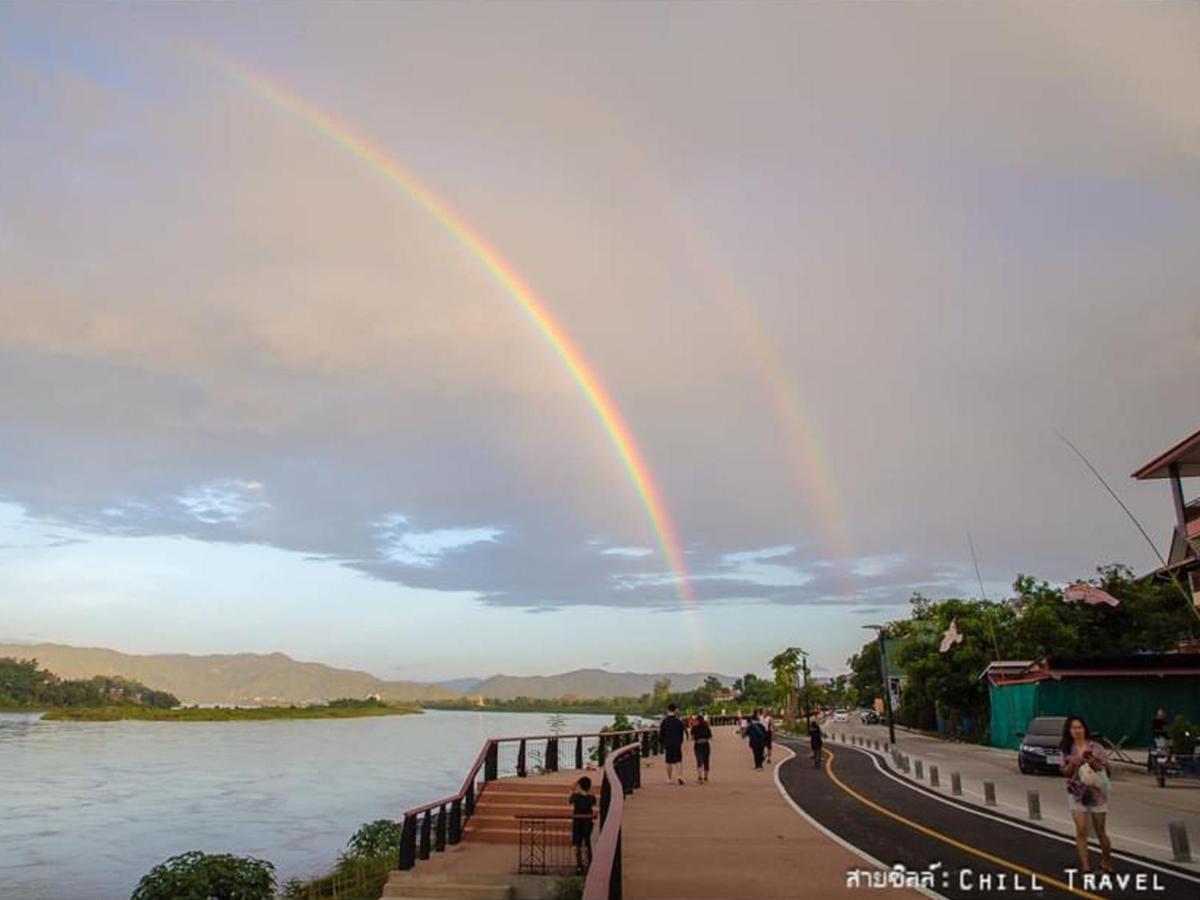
(223, 713)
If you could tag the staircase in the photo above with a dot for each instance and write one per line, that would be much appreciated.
(494, 820)
(447, 886)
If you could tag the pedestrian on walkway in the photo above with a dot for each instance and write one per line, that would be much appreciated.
(702, 743)
(1088, 772)
(756, 734)
(815, 740)
(768, 722)
(671, 733)
(583, 804)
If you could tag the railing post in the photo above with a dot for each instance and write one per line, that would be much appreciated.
(645, 743)
(579, 752)
(600, 750)
(439, 835)
(426, 827)
(456, 821)
(655, 743)
(614, 877)
(408, 842)
(491, 762)
(605, 799)
(637, 769)
(521, 759)
(469, 805)
(552, 754)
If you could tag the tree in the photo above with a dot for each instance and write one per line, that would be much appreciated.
(786, 666)
(200, 876)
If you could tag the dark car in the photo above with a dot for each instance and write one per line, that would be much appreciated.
(1039, 745)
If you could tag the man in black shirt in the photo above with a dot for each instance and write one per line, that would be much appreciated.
(671, 733)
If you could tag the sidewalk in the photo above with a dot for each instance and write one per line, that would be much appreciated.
(1139, 810)
(732, 838)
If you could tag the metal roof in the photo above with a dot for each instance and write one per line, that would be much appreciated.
(1185, 455)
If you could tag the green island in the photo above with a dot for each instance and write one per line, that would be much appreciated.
(26, 688)
(335, 710)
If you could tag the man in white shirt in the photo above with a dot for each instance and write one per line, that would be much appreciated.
(768, 723)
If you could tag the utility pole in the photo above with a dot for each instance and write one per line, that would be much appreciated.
(887, 688)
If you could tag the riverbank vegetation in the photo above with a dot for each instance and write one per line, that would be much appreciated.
(23, 686)
(336, 709)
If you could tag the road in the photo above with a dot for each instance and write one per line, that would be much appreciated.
(980, 854)
(1140, 810)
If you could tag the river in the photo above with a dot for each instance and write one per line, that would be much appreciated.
(87, 808)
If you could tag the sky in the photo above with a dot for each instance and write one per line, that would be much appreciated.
(844, 272)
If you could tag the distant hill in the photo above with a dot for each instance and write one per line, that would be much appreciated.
(585, 683)
(461, 685)
(249, 678)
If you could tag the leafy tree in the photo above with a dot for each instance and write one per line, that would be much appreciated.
(201, 876)
(786, 666)
(378, 838)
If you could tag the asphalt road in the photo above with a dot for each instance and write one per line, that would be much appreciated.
(980, 854)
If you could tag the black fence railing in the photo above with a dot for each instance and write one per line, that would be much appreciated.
(544, 845)
(431, 828)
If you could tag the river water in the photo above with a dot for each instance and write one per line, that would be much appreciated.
(87, 808)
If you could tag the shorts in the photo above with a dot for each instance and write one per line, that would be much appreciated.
(1075, 806)
(581, 834)
(703, 752)
(673, 753)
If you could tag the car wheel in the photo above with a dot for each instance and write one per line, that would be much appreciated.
(1025, 770)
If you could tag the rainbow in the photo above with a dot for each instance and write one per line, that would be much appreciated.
(534, 309)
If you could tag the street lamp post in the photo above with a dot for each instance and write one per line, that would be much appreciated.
(887, 688)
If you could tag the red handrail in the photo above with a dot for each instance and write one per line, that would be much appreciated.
(598, 884)
(482, 756)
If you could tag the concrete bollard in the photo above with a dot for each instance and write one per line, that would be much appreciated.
(933, 776)
(842, 737)
(1035, 804)
(904, 763)
(955, 784)
(918, 769)
(1180, 849)
(886, 747)
(989, 793)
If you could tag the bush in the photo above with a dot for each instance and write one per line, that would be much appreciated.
(1182, 735)
(201, 876)
(568, 889)
(378, 838)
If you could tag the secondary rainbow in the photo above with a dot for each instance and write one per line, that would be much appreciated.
(534, 309)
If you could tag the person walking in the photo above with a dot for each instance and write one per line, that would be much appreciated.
(671, 733)
(816, 740)
(702, 744)
(756, 734)
(1088, 771)
(1158, 737)
(583, 804)
(768, 722)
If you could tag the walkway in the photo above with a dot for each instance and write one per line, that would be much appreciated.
(733, 838)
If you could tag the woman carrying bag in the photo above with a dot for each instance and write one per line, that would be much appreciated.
(1089, 773)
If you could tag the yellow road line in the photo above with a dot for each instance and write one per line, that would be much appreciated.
(966, 848)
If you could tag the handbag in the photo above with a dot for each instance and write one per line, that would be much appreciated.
(1094, 778)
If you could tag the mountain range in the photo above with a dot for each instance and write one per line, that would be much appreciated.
(275, 678)
(247, 678)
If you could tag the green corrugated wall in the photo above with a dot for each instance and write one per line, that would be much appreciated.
(1114, 707)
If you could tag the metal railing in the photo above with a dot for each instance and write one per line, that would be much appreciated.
(431, 828)
(623, 770)
(544, 844)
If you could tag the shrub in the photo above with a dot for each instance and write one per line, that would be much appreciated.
(378, 838)
(201, 876)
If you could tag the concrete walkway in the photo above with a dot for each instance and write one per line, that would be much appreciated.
(733, 838)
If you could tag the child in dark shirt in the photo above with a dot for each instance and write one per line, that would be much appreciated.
(582, 805)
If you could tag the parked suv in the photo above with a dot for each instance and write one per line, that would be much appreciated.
(1039, 745)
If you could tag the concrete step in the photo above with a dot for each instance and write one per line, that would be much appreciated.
(535, 786)
(417, 885)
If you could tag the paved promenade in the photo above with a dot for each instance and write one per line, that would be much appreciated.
(734, 837)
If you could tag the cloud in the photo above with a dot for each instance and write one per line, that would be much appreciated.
(217, 324)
